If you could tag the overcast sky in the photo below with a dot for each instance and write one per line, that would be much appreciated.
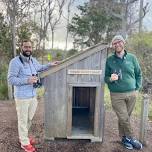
(61, 30)
(147, 22)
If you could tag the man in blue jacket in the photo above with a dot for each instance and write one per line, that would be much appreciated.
(22, 74)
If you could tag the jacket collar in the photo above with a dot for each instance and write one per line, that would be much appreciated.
(24, 58)
(124, 56)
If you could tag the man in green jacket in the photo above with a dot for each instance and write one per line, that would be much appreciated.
(123, 76)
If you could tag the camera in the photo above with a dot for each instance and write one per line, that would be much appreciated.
(38, 84)
(119, 73)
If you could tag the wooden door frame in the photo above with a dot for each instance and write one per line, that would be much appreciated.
(96, 111)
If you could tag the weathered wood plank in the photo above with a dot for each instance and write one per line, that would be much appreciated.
(71, 78)
(92, 105)
(69, 110)
(10, 92)
(61, 104)
(91, 62)
(95, 61)
(81, 66)
(49, 104)
(102, 112)
(103, 58)
(97, 112)
(144, 119)
(56, 105)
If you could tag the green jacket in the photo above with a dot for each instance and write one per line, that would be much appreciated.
(128, 70)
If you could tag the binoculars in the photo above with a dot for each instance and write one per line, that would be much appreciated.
(38, 84)
(119, 73)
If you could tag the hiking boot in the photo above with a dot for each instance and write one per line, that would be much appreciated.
(126, 143)
(28, 148)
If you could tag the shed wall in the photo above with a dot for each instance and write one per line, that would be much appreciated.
(56, 99)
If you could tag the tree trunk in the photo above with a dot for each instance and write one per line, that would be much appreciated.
(124, 20)
(13, 38)
(66, 41)
(43, 50)
(67, 33)
(13, 32)
(140, 16)
(52, 38)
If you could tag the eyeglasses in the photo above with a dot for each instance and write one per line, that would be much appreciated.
(117, 42)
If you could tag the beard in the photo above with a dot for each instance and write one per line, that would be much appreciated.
(26, 53)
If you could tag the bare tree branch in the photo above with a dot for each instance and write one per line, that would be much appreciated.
(145, 11)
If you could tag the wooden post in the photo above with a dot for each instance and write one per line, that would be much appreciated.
(10, 92)
(144, 119)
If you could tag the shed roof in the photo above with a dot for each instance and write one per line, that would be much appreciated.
(75, 58)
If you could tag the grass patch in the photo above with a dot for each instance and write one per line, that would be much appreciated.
(107, 99)
(40, 92)
(3, 91)
(137, 108)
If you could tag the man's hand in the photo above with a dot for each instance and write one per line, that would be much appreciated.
(114, 77)
(32, 79)
(55, 63)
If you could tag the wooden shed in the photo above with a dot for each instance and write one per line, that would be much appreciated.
(74, 96)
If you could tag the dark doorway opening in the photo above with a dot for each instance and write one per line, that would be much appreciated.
(83, 109)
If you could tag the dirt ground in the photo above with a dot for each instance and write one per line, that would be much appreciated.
(9, 135)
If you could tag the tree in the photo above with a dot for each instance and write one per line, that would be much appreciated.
(92, 26)
(56, 17)
(48, 16)
(17, 10)
(5, 40)
(5, 55)
(71, 52)
(68, 21)
(124, 10)
(24, 31)
(141, 45)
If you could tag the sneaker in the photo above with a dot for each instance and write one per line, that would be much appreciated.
(126, 144)
(136, 144)
(28, 148)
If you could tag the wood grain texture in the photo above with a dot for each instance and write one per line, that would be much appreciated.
(59, 93)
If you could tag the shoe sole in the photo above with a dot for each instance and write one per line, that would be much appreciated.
(138, 148)
(27, 150)
(130, 148)
(135, 147)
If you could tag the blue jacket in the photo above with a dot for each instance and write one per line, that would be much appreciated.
(18, 73)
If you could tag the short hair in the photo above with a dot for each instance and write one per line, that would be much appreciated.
(25, 40)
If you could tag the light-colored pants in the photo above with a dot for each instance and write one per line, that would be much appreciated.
(123, 105)
(25, 111)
